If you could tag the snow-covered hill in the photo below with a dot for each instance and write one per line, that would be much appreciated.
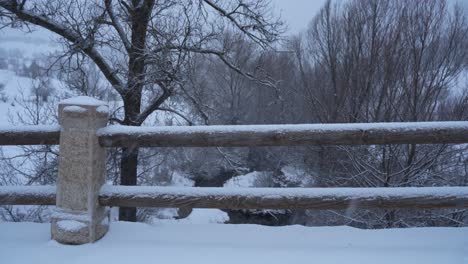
(19, 49)
(28, 45)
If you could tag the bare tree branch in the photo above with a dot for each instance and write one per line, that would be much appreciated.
(86, 46)
(267, 32)
(116, 24)
(190, 123)
(154, 105)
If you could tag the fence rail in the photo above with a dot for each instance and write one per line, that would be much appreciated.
(285, 135)
(81, 198)
(285, 198)
(28, 195)
(30, 135)
(254, 135)
(254, 198)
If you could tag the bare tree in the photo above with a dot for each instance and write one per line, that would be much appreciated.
(384, 61)
(142, 47)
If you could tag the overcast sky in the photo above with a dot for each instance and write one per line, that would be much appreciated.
(298, 13)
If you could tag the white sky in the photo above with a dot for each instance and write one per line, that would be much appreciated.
(298, 13)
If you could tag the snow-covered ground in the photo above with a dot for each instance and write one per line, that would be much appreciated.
(213, 243)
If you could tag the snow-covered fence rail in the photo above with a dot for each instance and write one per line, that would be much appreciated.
(27, 195)
(81, 200)
(254, 198)
(29, 135)
(285, 135)
(285, 198)
(454, 132)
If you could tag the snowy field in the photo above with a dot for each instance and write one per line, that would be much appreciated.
(217, 243)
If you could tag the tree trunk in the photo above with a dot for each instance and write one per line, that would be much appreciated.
(129, 159)
(140, 16)
(128, 176)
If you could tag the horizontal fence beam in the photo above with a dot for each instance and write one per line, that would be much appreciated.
(27, 195)
(254, 198)
(29, 135)
(253, 135)
(285, 198)
(285, 135)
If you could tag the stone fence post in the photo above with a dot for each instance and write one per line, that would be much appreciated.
(78, 218)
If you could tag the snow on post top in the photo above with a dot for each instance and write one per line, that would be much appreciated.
(83, 100)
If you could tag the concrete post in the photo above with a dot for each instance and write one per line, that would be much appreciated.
(78, 218)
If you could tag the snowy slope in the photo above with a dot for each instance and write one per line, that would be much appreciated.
(141, 243)
(28, 45)
(23, 47)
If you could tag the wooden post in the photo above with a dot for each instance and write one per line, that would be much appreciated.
(78, 218)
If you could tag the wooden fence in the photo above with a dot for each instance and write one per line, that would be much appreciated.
(81, 198)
